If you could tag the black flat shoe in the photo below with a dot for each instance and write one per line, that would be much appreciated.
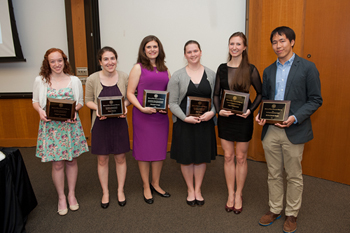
(148, 201)
(166, 194)
(191, 203)
(104, 205)
(199, 203)
(122, 203)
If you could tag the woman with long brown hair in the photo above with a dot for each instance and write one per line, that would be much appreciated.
(150, 128)
(236, 75)
(59, 142)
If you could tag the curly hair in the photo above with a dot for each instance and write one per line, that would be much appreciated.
(242, 75)
(45, 70)
(144, 60)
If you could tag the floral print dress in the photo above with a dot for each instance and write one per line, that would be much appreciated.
(59, 140)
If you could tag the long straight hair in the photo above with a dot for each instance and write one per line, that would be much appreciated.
(242, 74)
(144, 60)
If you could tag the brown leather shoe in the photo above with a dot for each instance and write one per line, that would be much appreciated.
(269, 218)
(290, 224)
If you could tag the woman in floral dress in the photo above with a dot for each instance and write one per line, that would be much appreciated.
(59, 142)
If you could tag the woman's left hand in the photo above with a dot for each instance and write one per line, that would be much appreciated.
(206, 116)
(244, 115)
(125, 112)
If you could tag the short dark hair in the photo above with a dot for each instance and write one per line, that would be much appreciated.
(106, 49)
(290, 34)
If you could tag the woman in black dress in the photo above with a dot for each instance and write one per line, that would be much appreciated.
(108, 135)
(194, 142)
(236, 75)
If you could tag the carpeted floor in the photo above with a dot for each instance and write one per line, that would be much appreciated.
(325, 208)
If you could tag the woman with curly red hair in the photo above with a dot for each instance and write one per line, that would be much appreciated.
(59, 142)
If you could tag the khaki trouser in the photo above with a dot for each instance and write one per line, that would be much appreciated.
(281, 155)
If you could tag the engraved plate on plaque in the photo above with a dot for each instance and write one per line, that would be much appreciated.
(234, 101)
(60, 109)
(197, 106)
(156, 99)
(111, 106)
(274, 111)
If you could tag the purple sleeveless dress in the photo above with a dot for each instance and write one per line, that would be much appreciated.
(150, 131)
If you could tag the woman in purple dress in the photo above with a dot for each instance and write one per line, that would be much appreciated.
(150, 128)
(108, 135)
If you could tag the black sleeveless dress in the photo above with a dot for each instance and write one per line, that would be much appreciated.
(194, 143)
(236, 128)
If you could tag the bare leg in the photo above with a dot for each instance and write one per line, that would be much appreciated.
(241, 171)
(102, 169)
(120, 163)
(144, 171)
(230, 170)
(156, 170)
(199, 171)
(58, 181)
(72, 175)
(188, 173)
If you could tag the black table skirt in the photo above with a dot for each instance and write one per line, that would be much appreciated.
(17, 198)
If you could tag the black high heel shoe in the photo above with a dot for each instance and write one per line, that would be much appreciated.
(150, 200)
(104, 205)
(166, 194)
(122, 203)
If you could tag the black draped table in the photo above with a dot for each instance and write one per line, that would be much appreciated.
(17, 198)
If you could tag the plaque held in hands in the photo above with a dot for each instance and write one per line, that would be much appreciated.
(111, 106)
(60, 109)
(274, 111)
(197, 106)
(234, 101)
(156, 99)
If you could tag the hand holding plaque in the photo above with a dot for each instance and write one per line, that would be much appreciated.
(156, 99)
(274, 111)
(234, 101)
(60, 109)
(111, 106)
(197, 106)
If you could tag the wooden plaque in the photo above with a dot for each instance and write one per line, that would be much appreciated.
(197, 106)
(156, 99)
(274, 111)
(234, 101)
(60, 109)
(111, 106)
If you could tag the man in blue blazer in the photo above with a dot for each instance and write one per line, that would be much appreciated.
(296, 79)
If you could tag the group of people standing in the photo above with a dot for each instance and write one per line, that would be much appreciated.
(193, 140)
